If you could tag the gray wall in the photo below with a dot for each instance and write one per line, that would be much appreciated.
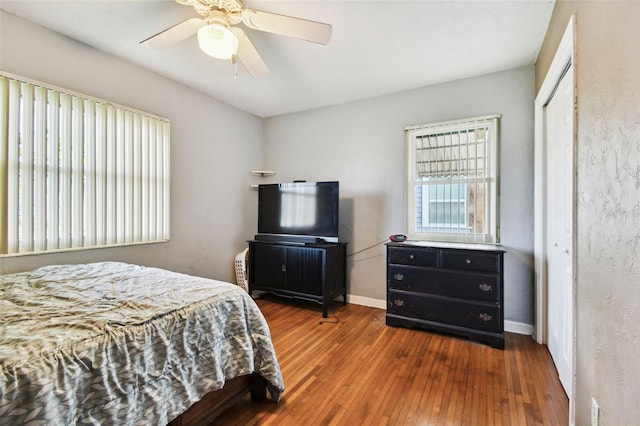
(608, 210)
(361, 144)
(213, 147)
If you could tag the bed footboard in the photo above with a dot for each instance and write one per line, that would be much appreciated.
(258, 388)
(214, 403)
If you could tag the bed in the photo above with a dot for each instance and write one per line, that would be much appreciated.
(114, 343)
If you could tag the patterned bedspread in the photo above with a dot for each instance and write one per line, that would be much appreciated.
(113, 343)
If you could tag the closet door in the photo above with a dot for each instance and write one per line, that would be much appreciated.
(559, 238)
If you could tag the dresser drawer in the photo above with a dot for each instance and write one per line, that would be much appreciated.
(471, 261)
(472, 286)
(412, 256)
(479, 316)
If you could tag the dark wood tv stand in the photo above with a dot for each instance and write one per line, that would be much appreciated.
(312, 271)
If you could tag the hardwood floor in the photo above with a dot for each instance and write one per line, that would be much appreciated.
(359, 371)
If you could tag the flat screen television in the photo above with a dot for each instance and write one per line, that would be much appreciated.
(298, 211)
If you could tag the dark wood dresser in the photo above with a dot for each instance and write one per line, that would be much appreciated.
(447, 287)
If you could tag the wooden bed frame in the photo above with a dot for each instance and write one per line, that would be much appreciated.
(214, 403)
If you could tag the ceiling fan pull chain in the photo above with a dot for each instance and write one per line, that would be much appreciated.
(235, 66)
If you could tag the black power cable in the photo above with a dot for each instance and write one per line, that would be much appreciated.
(336, 319)
(328, 321)
(367, 248)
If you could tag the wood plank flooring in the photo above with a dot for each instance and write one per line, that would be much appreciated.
(358, 371)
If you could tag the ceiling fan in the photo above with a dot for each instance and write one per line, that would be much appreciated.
(218, 35)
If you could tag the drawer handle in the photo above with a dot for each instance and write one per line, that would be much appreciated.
(485, 317)
(411, 257)
(398, 302)
(398, 277)
(485, 287)
(468, 261)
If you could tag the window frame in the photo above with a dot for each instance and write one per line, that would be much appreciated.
(491, 234)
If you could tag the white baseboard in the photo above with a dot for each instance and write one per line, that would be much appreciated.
(509, 326)
(367, 301)
(518, 328)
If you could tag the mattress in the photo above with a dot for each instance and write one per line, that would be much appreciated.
(114, 343)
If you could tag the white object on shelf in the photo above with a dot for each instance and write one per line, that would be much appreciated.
(262, 173)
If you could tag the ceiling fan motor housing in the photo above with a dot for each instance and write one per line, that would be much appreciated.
(217, 17)
(212, 10)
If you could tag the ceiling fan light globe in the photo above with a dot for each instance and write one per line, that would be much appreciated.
(218, 41)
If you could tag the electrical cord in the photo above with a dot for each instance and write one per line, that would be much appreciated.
(367, 248)
(335, 318)
(328, 321)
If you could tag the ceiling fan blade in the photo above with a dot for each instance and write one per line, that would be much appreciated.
(249, 55)
(316, 32)
(174, 34)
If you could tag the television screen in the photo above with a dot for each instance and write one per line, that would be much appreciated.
(299, 209)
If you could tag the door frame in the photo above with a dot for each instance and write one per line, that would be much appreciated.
(565, 53)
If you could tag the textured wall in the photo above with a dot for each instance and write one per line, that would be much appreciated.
(608, 213)
(361, 144)
(213, 147)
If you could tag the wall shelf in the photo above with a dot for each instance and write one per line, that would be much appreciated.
(263, 173)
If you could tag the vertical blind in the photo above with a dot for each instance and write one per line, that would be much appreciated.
(453, 179)
(77, 172)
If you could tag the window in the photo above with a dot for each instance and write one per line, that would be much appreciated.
(77, 172)
(452, 180)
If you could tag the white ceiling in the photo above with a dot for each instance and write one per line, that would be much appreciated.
(377, 47)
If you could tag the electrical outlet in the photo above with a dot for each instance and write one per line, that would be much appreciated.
(594, 412)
